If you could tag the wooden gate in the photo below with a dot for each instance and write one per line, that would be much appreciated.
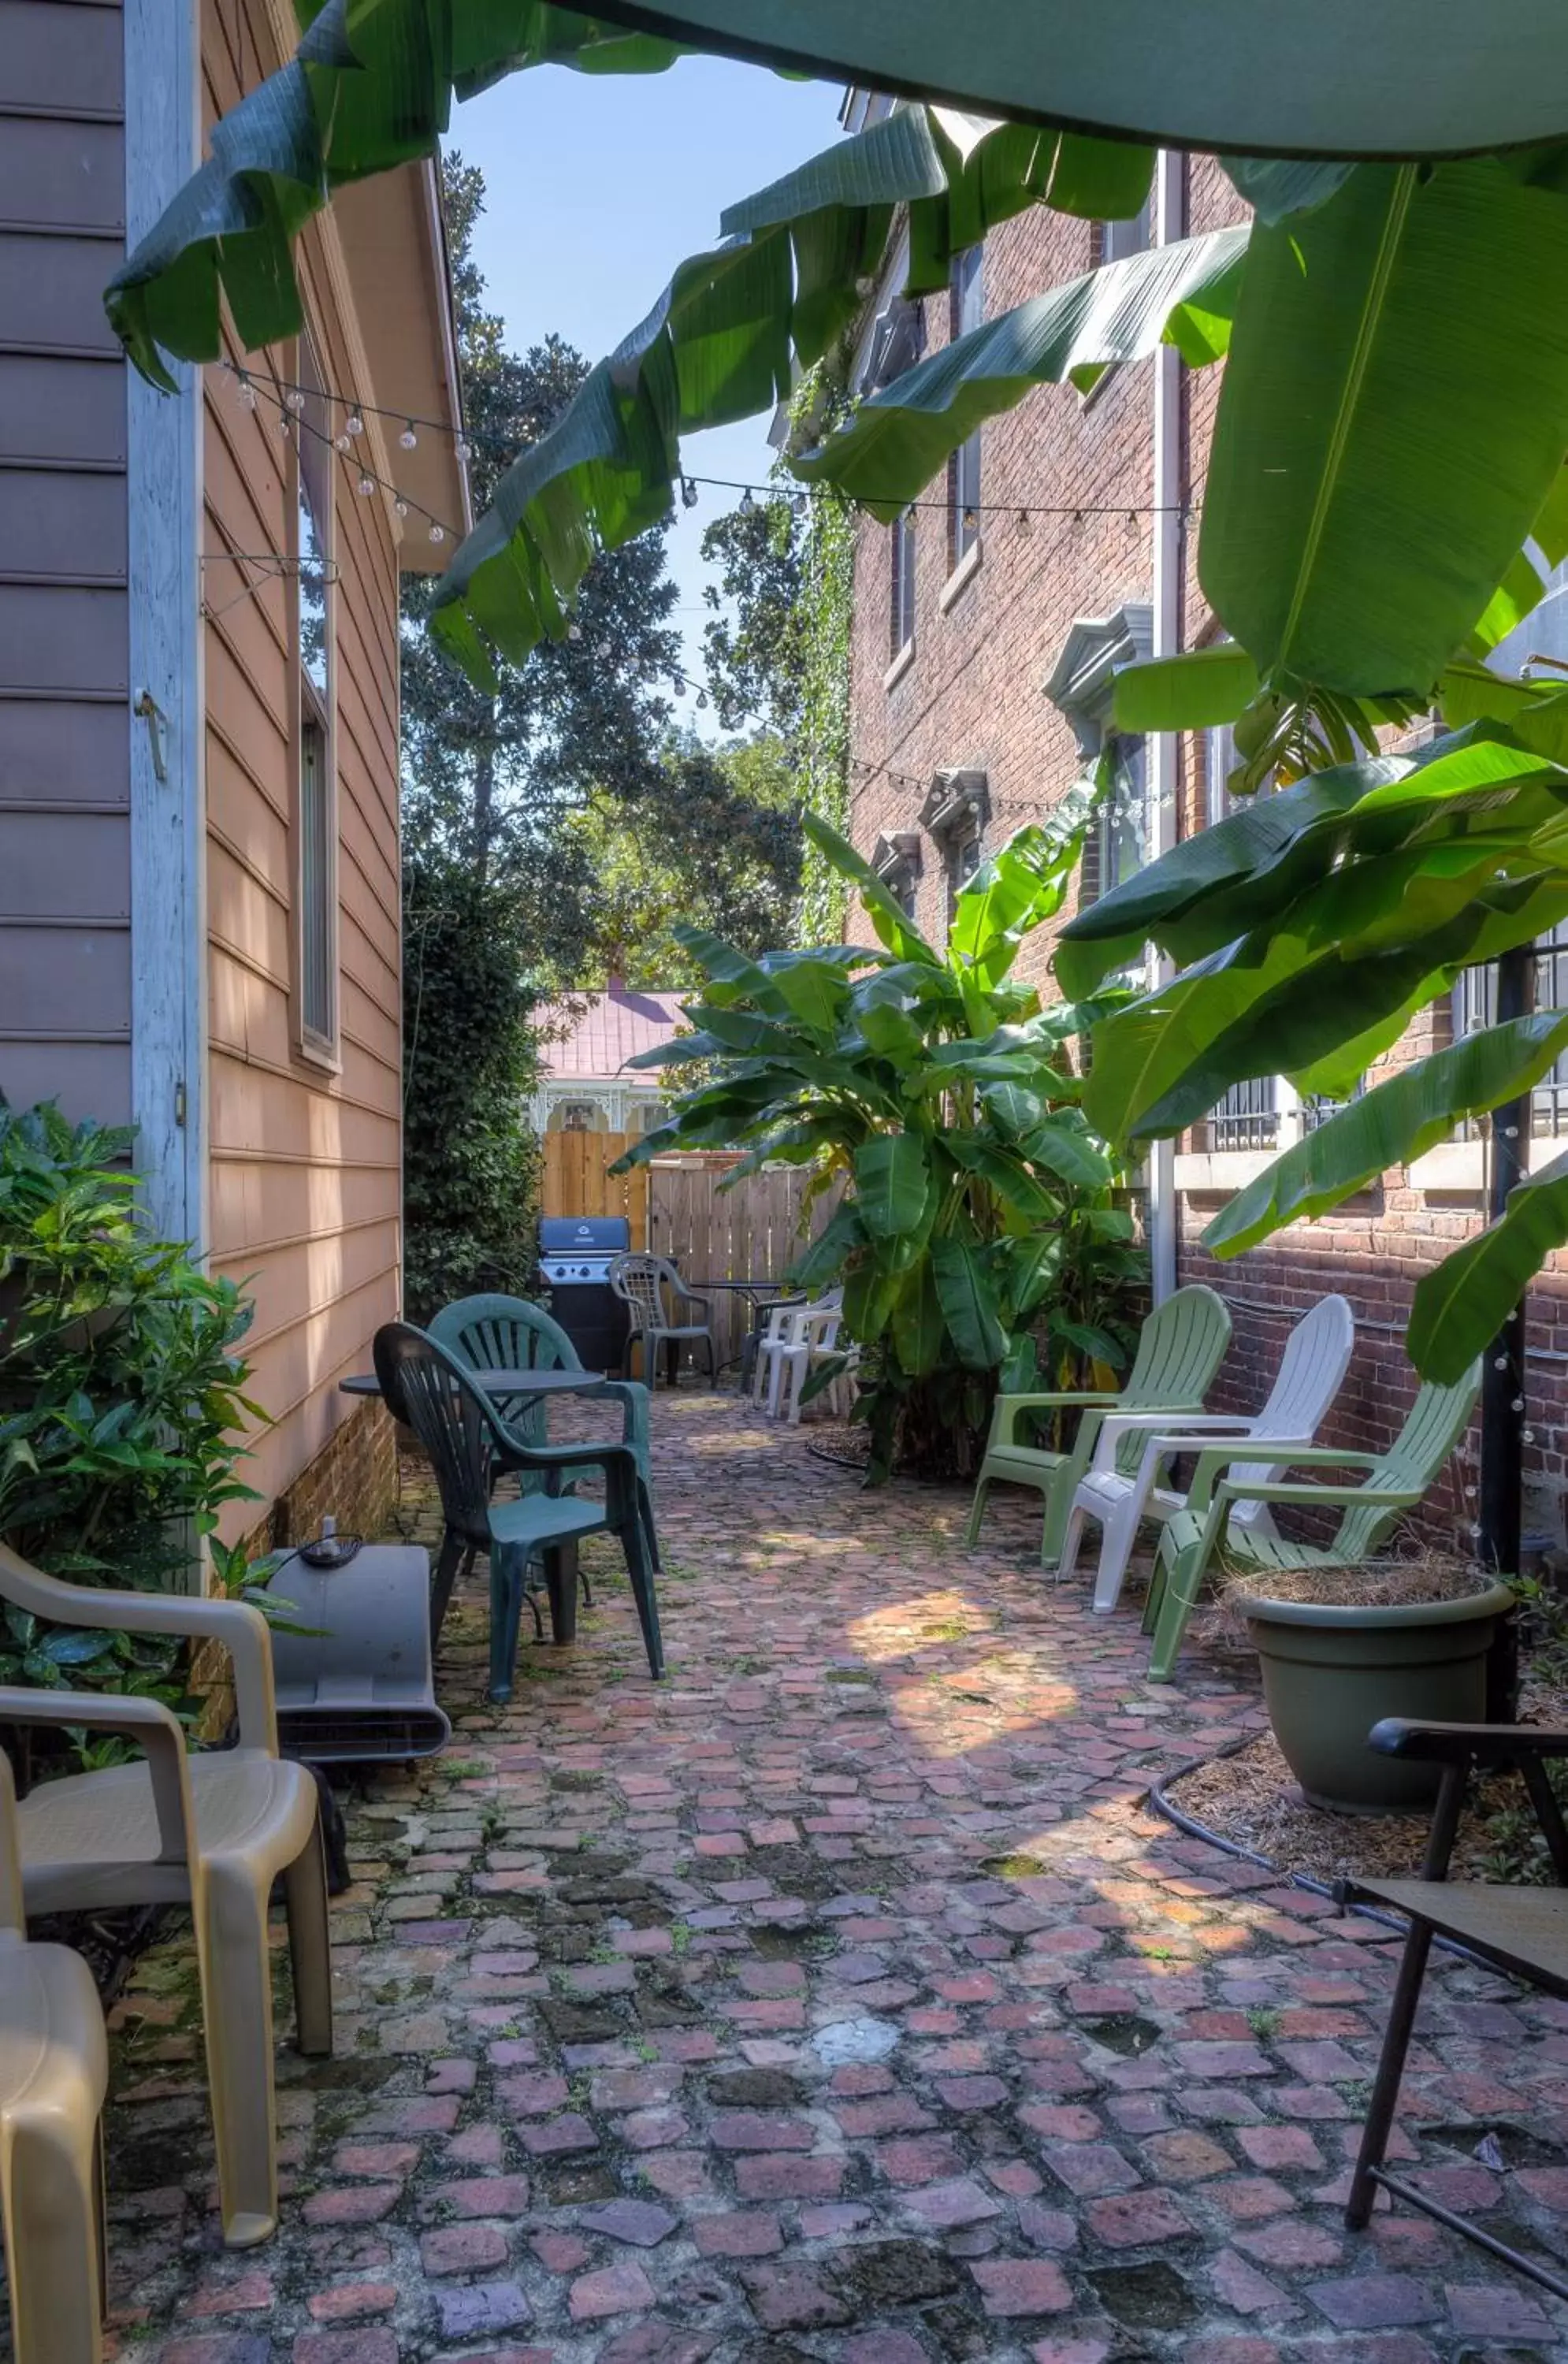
(752, 1233)
(576, 1180)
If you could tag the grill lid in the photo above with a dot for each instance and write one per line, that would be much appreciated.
(561, 1235)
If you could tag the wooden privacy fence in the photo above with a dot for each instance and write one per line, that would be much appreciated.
(676, 1209)
(752, 1233)
(576, 1180)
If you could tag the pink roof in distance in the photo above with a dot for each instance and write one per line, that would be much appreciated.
(596, 1033)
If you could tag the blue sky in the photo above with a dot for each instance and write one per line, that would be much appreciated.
(597, 186)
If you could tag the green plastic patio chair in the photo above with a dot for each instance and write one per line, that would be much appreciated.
(1395, 1480)
(1179, 1350)
(468, 1442)
(510, 1334)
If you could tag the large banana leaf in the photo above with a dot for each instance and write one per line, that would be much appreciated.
(1184, 295)
(891, 1184)
(1005, 1173)
(1292, 999)
(1248, 871)
(969, 1303)
(1388, 338)
(1190, 692)
(1462, 1307)
(920, 1325)
(370, 87)
(1390, 1125)
(1023, 884)
(1276, 187)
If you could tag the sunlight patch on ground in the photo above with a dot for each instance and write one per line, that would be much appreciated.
(905, 1626)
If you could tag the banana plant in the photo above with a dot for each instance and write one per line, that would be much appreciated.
(1308, 928)
(976, 1234)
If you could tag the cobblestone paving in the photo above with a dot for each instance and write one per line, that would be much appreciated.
(837, 2000)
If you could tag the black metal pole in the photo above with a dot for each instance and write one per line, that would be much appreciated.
(1503, 1408)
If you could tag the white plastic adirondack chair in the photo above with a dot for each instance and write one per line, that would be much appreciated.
(1315, 1358)
(815, 1336)
(768, 1371)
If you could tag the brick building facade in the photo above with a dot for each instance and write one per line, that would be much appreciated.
(987, 628)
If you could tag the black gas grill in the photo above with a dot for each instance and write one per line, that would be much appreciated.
(575, 1253)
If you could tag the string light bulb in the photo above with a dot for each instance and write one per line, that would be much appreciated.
(437, 532)
(408, 438)
(460, 448)
(747, 503)
(295, 399)
(354, 423)
(689, 494)
(400, 506)
(367, 485)
(245, 392)
(342, 442)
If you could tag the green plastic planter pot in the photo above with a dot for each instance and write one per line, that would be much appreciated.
(1329, 1674)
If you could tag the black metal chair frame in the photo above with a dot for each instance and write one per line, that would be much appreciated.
(1459, 1749)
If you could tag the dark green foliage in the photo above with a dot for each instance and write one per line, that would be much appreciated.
(757, 654)
(720, 847)
(975, 1240)
(470, 1054)
(121, 1396)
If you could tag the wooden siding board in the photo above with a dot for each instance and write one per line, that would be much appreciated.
(56, 637)
(62, 176)
(258, 1207)
(60, 57)
(52, 293)
(58, 526)
(65, 983)
(61, 409)
(65, 865)
(65, 951)
(305, 1187)
(87, 1079)
(55, 752)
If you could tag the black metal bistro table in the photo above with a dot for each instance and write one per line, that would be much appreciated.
(756, 1291)
(513, 1383)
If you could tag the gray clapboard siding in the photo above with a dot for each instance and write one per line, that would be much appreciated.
(65, 941)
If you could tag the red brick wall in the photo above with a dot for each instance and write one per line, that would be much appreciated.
(974, 696)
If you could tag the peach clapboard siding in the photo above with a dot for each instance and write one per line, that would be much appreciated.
(65, 968)
(304, 1182)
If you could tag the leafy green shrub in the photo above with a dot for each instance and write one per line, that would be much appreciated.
(121, 1398)
(469, 1057)
(976, 1239)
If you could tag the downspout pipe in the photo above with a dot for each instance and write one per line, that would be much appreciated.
(1170, 223)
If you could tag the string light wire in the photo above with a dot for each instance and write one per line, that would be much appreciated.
(464, 439)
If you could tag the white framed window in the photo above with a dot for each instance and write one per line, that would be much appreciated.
(1474, 1006)
(897, 862)
(1247, 1117)
(1219, 762)
(1133, 236)
(1123, 826)
(901, 583)
(964, 850)
(968, 311)
(316, 805)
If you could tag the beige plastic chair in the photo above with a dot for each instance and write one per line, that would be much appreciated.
(54, 2071)
(211, 1831)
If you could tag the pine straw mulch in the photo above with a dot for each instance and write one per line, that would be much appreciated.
(1251, 1797)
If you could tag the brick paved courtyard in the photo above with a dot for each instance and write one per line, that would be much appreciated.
(837, 2000)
